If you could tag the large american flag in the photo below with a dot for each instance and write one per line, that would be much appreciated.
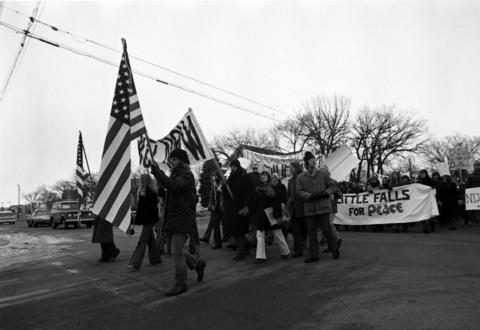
(112, 198)
(80, 174)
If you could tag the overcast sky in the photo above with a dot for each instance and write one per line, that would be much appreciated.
(422, 56)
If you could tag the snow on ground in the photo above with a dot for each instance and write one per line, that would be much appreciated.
(21, 247)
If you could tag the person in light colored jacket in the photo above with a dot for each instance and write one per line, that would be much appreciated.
(312, 187)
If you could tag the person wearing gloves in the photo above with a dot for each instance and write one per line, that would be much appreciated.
(312, 187)
(180, 216)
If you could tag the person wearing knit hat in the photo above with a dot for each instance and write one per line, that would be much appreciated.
(306, 158)
(296, 210)
(179, 223)
(312, 186)
(238, 198)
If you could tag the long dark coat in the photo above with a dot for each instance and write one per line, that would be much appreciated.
(102, 231)
(448, 194)
(181, 200)
(239, 184)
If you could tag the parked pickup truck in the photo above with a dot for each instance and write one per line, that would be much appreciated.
(66, 213)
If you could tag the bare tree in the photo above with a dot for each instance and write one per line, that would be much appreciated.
(291, 134)
(325, 122)
(225, 145)
(437, 150)
(379, 134)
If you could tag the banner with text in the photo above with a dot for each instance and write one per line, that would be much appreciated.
(472, 199)
(410, 203)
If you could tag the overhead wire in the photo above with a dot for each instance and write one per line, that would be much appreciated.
(140, 73)
(84, 39)
(19, 54)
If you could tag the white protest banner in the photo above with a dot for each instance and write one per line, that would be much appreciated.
(472, 199)
(272, 163)
(443, 168)
(186, 135)
(410, 203)
(341, 162)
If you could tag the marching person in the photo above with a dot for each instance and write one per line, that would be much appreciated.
(282, 196)
(297, 212)
(237, 192)
(179, 220)
(424, 178)
(268, 197)
(312, 187)
(215, 206)
(448, 197)
(103, 234)
(335, 193)
(147, 215)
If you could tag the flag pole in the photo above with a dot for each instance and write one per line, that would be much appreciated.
(88, 167)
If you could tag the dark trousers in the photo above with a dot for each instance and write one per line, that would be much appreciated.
(146, 239)
(182, 260)
(214, 225)
(322, 221)
(299, 233)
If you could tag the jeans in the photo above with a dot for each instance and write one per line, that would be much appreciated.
(322, 221)
(146, 238)
(214, 224)
(279, 238)
(182, 260)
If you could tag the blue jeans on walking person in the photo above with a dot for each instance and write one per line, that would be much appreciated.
(182, 260)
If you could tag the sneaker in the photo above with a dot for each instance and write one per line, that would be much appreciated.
(259, 261)
(176, 291)
(201, 269)
(132, 268)
(309, 260)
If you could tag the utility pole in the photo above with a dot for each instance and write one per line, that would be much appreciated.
(18, 203)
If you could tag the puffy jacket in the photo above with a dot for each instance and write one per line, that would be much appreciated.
(312, 183)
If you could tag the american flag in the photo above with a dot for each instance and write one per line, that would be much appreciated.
(112, 198)
(80, 174)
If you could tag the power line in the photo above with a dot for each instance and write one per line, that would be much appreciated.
(21, 50)
(85, 40)
(140, 73)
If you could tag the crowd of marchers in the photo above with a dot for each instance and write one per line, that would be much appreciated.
(251, 211)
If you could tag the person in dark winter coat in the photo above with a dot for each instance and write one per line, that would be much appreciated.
(296, 210)
(180, 216)
(312, 187)
(238, 198)
(448, 197)
(267, 197)
(216, 207)
(396, 181)
(147, 216)
(424, 178)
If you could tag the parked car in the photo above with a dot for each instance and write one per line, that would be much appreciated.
(8, 217)
(39, 217)
(66, 213)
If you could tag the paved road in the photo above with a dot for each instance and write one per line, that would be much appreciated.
(49, 279)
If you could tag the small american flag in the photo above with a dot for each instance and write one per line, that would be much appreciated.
(80, 174)
(112, 198)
